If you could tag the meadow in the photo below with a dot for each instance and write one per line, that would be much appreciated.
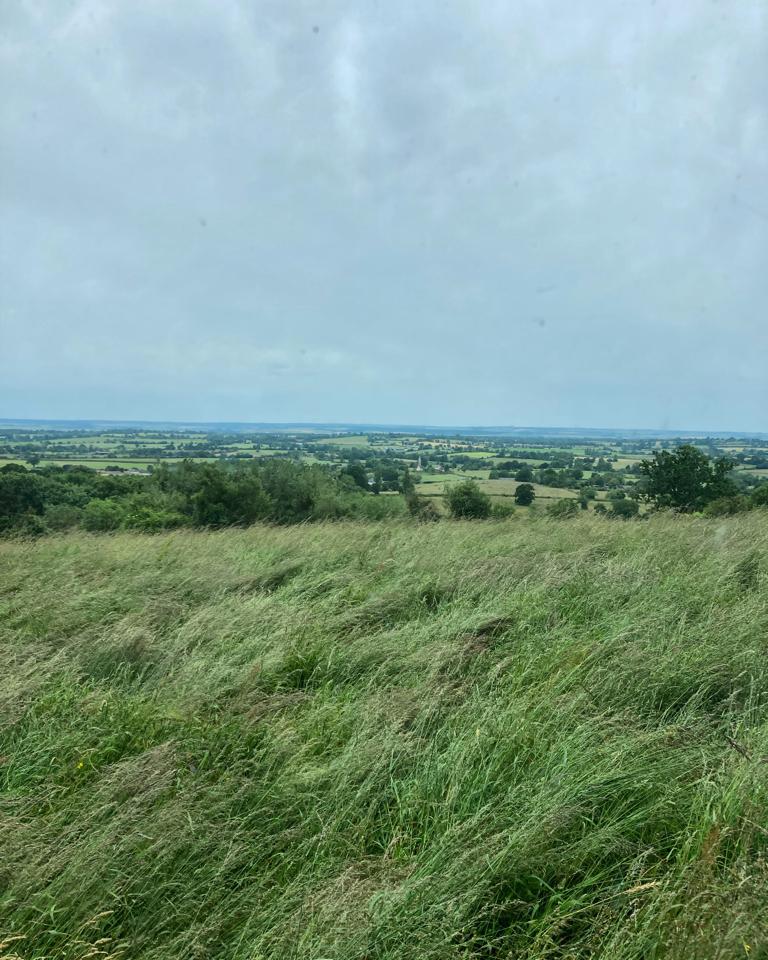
(387, 741)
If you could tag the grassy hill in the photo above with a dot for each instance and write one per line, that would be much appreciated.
(524, 739)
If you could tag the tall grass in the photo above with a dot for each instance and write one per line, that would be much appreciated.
(524, 739)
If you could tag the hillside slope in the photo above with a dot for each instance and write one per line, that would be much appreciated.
(522, 739)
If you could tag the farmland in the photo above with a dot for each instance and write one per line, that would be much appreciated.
(590, 469)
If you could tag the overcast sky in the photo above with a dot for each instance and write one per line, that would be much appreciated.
(530, 212)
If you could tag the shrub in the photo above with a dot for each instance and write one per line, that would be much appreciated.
(422, 509)
(102, 515)
(625, 509)
(149, 519)
(727, 506)
(62, 516)
(563, 509)
(466, 501)
(502, 511)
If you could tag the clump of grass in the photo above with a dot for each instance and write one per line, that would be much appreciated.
(367, 740)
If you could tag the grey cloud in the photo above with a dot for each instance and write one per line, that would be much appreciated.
(530, 212)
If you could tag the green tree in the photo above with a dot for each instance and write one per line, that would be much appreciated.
(467, 501)
(686, 479)
(356, 470)
(406, 484)
(229, 498)
(20, 493)
(525, 494)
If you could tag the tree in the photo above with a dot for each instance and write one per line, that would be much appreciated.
(467, 501)
(356, 470)
(20, 493)
(686, 479)
(524, 474)
(525, 494)
(225, 498)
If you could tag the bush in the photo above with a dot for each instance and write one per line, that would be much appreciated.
(727, 506)
(377, 508)
(422, 509)
(103, 515)
(466, 501)
(759, 496)
(625, 509)
(563, 509)
(150, 519)
(62, 516)
(502, 511)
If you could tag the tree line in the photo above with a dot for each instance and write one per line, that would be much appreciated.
(184, 494)
(282, 491)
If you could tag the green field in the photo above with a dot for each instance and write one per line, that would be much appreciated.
(452, 741)
(352, 440)
(436, 484)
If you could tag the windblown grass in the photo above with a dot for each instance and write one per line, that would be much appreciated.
(525, 739)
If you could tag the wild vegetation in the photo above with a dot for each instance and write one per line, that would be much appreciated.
(352, 740)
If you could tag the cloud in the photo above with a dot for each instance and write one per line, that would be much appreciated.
(534, 212)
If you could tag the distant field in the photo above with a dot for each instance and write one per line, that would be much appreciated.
(99, 463)
(497, 488)
(361, 440)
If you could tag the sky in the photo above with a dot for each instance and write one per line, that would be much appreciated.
(529, 212)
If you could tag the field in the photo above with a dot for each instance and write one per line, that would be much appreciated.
(451, 741)
(564, 468)
(436, 485)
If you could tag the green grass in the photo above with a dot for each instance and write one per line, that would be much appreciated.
(433, 485)
(451, 741)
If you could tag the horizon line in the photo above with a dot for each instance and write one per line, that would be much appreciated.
(384, 426)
